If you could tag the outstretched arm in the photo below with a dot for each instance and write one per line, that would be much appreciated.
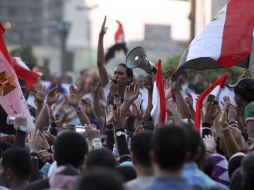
(100, 55)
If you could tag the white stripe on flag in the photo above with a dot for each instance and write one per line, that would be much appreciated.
(155, 113)
(209, 42)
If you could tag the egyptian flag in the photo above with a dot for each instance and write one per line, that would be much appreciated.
(12, 100)
(119, 45)
(225, 41)
(23, 72)
(219, 82)
(158, 112)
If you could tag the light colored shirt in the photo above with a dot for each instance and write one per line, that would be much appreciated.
(138, 183)
(168, 183)
(196, 177)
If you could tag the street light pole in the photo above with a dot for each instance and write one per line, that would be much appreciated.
(63, 28)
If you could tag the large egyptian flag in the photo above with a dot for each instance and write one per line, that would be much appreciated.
(225, 41)
(120, 44)
(12, 100)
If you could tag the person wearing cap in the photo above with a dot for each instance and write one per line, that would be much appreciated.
(244, 97)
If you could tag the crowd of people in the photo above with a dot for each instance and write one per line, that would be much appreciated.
(99, 134)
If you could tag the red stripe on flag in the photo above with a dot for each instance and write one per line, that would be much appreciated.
(221, 81)
(160, 85)
(237, 33)
(119, 32)
(28, 76)
(3, 46)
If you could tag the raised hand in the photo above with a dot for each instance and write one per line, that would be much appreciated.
(137, 113)
(103, 27)
(34, 141)
(211, 112)
(44, 142)
(131, 93)
(92, 132)
(224, 114)
(210, 143)
(51, 97)
(109, 115)
(189, 100)
(39, 93)
(73, 99)
(148, 83)
(118, 119)
(232, 112)
(87, 105)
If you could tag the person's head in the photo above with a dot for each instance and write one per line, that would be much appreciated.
(101, 179)
(70, 148)
(235, 162)
(15, 166)
(169, 148)
(141, 145)
(56, 79)
(244, 89)
(199, 78)
(123, 74)
(248, 171)
(182, 77)
(67, 78)
(100, 158)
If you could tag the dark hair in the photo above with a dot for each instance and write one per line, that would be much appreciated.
(141, 145)
(70, 148)
(248, 172)
(194, 142)
(19, 161)
(170, 146)
(129, 71)
(245, 88)
(101, 179)
(184, 73)
(101, 157)
(234, 163)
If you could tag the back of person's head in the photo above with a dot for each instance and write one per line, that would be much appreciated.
(244, 88)
(169, 147)
(70, 148)
(236, 180)
(235, 162)
(100, 158)
(101, 179)
(141, 145)
(248, 172)
(18, 162)
(194, 142)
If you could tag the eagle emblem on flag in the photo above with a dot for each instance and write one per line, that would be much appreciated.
(6, 83)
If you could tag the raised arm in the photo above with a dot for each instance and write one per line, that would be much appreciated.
(100, 55)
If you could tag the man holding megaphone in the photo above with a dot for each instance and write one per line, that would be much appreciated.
(114, 89)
